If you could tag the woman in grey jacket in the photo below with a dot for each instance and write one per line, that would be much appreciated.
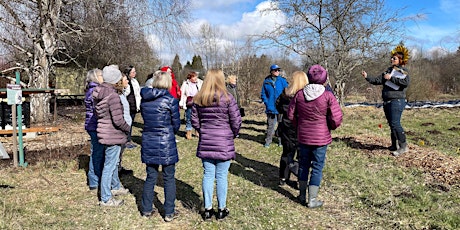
(215, 115)
(395, 81)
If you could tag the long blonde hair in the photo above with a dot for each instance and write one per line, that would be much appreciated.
(299, 81)
(212, 90)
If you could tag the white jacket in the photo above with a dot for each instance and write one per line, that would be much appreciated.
(185, 89)
(137, 92)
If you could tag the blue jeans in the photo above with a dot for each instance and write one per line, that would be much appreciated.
(313, 157)
(169, 188)
(393, 111)
(188, 119)
(110, 172)
(218, 170)
(96, 161)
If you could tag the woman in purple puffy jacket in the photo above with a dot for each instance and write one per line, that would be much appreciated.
(215, 115)
(314, 111)
(96, 159)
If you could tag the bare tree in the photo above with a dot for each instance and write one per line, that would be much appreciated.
(208, 45)
(339, 34)
(43, 34)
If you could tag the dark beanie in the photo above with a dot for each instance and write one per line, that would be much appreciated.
(317, 75)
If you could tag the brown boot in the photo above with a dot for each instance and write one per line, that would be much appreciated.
(188, 135)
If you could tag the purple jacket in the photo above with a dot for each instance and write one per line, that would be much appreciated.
(112, 128)
(90, 118)
(308, 111)
(218, 125)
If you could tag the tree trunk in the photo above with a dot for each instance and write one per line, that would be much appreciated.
(340, 92)
(39, 102)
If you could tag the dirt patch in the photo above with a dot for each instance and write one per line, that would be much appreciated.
(64, 145)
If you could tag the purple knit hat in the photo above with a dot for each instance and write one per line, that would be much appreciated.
(317, 75)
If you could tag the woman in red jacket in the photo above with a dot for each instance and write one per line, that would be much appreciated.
(314, 111)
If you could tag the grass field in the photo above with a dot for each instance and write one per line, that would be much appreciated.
(363, 186)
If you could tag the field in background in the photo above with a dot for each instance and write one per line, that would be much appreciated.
(363, 186)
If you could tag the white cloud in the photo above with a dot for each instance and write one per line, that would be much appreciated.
(450, 6)
(433, 36)
(256, 22)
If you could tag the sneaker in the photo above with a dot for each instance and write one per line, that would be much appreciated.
(170, 217)
(111, 203)
(267, 145)
(207, 214)
(282, 182)
(148, 214)
(120, 191)
(222, 213)
(130, 145)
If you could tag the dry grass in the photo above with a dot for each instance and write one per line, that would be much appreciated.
(363, 185)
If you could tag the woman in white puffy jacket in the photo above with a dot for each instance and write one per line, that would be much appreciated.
(189, 89)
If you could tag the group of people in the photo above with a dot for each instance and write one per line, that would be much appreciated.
(306, 110)
(306, 113)
(108, 122)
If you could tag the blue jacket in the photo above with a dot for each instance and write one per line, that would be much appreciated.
(160, 112)
(271, 90)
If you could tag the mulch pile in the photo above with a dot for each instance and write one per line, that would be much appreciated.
(441, 170)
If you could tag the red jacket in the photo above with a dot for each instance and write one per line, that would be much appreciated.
(175, 90)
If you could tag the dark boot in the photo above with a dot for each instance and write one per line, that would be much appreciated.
(394, 142)
(282, 171)
(208, 214)
(402, 149)
(222, 213)
(302, 192)
(313, 201)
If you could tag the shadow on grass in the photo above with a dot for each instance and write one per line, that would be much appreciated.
(184, 193)
(258, 139)
(252, 122)
(353, 143)
(259, 173)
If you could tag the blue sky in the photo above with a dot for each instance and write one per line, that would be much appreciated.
(439, 28)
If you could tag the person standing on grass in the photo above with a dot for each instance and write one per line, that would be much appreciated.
(272, 87)
(174, 90)
(160, 112)
(314, 111)
(286, 131)
(112, 129)
(134, 98)
(96, 158)
(217, 118)
(189, 89)
(395, 81)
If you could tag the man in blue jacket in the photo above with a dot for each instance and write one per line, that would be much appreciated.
(273, 86)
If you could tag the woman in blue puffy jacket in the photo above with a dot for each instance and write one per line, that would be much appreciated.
(160, 112)
(215, 115)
